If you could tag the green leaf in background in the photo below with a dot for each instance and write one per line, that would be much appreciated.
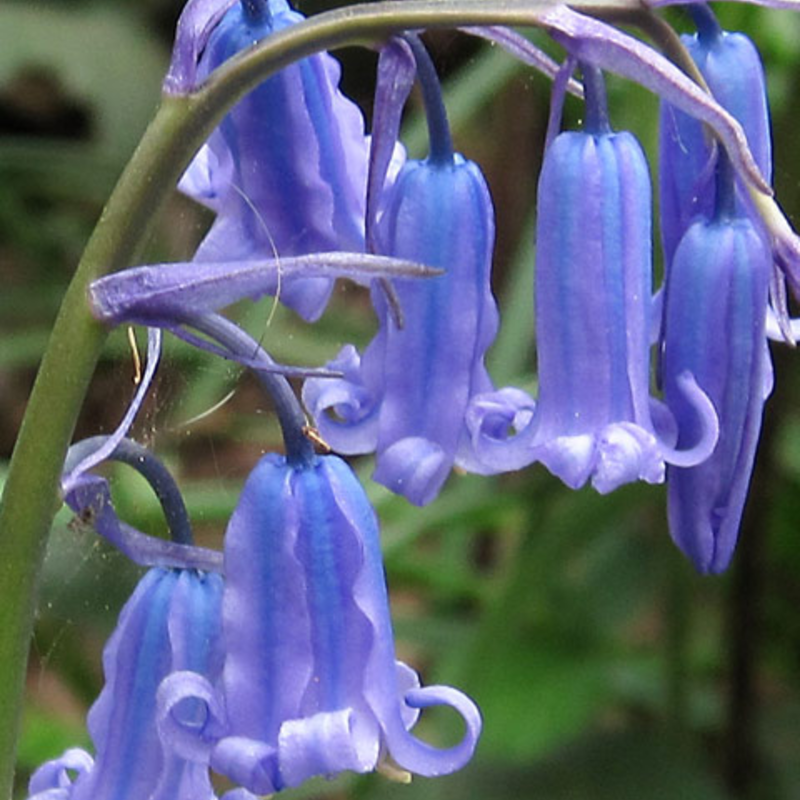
(535, 694)
(99, 55)
(605, 765)
(46, 736)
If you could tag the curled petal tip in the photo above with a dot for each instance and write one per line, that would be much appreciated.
(249, 762)
(189, 715)
(499, 424)
(708, 425)
(424, 759)
(56, 775)
(344, 408)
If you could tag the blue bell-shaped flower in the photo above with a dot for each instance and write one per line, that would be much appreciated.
(593, 417)
(715, 317)
(310, 684)
(171, 622)
(407, 397)
(286, 170)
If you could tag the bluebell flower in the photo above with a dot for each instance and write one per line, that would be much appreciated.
(171, 622)
(731, 66)
(407, 397)
(310, 684)
(285, 172)
(593, 419)
(715, 317)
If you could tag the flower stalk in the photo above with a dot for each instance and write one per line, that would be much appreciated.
(182, 123)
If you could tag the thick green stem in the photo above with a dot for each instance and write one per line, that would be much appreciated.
(30, 496)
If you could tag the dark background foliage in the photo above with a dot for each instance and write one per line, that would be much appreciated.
(604, 666)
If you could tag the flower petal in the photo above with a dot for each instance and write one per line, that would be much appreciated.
(423, 759)
(298, 183)
(55, 774)
(325, 744)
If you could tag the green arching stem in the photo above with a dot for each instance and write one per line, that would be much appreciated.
(180, 126)
(29, 498)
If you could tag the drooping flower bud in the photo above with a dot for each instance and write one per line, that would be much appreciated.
(285, 171)
(715, 316)
(171, 622)
(732, 68)
(310, 684)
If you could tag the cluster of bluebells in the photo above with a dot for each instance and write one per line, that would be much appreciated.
(273, 661)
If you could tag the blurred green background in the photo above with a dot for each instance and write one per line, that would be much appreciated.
(605, 668)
